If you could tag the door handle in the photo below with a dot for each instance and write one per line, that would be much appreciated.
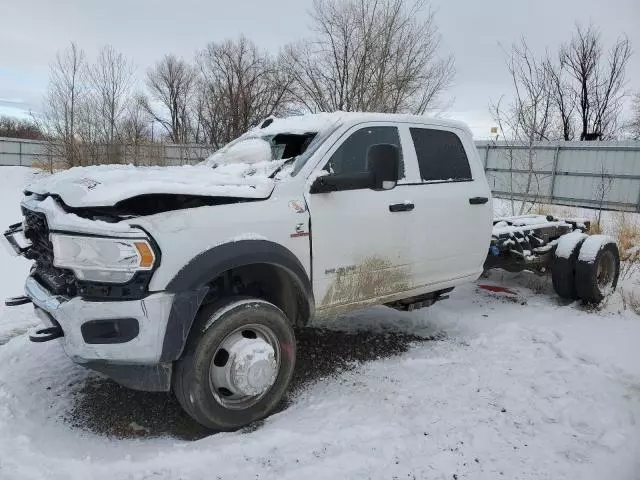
(401, 207)
(478, 200)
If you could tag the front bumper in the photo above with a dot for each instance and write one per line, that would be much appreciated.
(145, 348)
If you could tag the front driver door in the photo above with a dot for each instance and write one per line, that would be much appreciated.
(360, 241)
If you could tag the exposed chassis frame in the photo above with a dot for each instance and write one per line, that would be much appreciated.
(528, 242)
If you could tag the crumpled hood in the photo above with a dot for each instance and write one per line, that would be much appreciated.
(106, 185)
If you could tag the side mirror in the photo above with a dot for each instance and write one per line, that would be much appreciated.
(383, 165)
(334, 183)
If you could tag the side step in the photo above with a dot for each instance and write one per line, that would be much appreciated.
(422, 301)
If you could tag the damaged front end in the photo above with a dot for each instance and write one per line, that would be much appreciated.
(75, 256)
(150, 204)
(14, 240)
(89, 287)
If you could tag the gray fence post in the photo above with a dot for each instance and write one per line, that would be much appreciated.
(553, 173)
(20, 153)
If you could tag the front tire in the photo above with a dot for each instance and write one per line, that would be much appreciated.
(237, 364)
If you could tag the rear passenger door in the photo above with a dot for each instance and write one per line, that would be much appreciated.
(454, 205)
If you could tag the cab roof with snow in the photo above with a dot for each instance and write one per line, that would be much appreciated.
(319, 122)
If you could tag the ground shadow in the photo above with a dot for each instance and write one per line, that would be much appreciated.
(104, 407)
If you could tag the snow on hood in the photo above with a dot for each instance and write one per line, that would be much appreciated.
(106, 185)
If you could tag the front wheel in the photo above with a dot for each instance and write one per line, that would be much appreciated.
(237, 364)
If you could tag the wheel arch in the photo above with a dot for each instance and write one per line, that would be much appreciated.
(272, 270)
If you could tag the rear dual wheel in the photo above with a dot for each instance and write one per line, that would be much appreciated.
(563, 272)
(597, 269)
(585, 267)
(237, 364)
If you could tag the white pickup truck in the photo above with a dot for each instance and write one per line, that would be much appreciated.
(193, 278)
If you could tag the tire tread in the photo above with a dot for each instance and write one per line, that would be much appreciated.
(563, 273)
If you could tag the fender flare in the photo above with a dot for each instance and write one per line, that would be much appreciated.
(190, 283)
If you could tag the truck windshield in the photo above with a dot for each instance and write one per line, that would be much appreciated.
(279, 148)
(318, 140)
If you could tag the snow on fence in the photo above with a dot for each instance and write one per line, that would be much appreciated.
(587, 174)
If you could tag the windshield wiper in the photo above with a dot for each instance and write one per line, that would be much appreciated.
(286, 162)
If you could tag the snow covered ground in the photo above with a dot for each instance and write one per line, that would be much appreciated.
(523, 387)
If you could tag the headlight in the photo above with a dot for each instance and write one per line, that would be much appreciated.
(101, 259)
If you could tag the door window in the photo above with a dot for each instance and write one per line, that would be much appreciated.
(351, 156)
(441, 155)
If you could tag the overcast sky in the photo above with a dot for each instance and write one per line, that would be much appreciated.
(33, 30)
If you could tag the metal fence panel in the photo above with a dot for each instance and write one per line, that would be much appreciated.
(35, 153)
(20, 152)
(590, 174)
(503, 183)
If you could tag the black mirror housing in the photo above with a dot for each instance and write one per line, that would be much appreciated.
(383, 164)
(334, 183)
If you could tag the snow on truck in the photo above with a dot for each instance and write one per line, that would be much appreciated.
(192, 278)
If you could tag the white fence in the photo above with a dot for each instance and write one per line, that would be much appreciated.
(589, 174)
(30, 153)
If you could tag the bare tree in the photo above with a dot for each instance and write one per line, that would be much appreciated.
(379, 55)
(602, 189)
(135, 125)
(634, 125)
(65, 94)
(19, 128)
(598, 83)
(111, 83)
(239, 87)
(171, 84)
(563, 96)
(84, 106)
(527, 119)
(135, 134)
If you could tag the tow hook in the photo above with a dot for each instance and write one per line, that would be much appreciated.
(15, 301)
(46, 334)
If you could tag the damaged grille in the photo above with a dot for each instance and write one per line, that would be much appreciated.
(61, 281)
(57, 280)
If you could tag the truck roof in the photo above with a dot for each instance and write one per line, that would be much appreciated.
(317, 122)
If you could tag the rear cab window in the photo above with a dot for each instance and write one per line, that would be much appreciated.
(441, 156)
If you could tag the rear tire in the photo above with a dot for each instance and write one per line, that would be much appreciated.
(237, 364)
(563, 270)
(597, 269)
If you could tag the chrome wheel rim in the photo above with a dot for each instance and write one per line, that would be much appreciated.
(244, 366)
(605, 271)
